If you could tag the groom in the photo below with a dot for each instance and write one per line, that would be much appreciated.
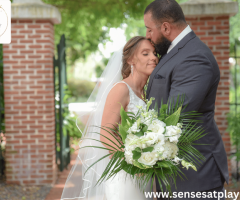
(187, 66)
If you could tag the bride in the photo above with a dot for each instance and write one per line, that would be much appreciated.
(123, 84)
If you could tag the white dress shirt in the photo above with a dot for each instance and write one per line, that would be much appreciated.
(179, 38)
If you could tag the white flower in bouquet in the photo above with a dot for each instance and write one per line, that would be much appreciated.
(170, 150)
(133, 128)
(150, 138)
(153, 113)
(145, 118)
(176, 160)
(161, 139)
(130, 138)
(141, 142)
(159, 147)
(145, 114)
(179, 125)
(147, 121)
(188, 164)
(173, 133)
(143, 146)
(157, 126)
(148, 158)
(128, 156)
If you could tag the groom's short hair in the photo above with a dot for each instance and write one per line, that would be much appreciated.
(166, 10)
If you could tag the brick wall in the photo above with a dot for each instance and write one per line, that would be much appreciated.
(214, 32)
(29, 103)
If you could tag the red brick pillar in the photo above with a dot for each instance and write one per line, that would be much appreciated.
(29, 95)
(210, 22)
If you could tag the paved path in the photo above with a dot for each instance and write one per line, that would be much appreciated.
(56, 192)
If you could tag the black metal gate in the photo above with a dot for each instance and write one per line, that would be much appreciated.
(60, 82)
(2, 149)
(234, 116)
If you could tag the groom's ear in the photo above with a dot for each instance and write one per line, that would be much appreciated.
(166, 29)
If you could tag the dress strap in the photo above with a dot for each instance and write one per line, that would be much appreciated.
(131, 93)
(127, 85)
(129, 88)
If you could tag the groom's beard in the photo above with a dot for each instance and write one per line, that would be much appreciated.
(162, 46)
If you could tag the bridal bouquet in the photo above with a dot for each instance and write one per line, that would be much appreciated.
(154, 143)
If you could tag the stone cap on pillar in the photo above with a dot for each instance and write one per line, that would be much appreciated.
(209, 7)
(35, 9)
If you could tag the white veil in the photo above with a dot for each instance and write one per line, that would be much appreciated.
(78, 184)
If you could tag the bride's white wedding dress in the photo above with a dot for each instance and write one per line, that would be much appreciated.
(122, 187)
(83, 178)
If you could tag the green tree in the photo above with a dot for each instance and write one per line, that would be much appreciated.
(100, 67)
(82, 22)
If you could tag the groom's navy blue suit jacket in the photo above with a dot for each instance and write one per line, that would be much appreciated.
(191, 69)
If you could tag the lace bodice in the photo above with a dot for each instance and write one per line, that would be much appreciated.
(134, 101)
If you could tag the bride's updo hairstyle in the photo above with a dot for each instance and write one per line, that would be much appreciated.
(128, 52)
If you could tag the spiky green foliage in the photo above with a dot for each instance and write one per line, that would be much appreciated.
(165, 171)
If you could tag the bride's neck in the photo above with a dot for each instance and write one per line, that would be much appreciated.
(137, 82)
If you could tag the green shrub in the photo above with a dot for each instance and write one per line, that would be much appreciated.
(233, 128)
(99, 70)
(80, 88)
(69, 120)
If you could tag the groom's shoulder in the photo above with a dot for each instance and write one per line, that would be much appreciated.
(197, 46)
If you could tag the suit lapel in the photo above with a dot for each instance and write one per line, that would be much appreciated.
(168, 56)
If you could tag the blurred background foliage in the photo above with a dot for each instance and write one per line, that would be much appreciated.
(83, 22)
(83, 87)
(99, 68)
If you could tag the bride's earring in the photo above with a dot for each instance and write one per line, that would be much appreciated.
(132, 70)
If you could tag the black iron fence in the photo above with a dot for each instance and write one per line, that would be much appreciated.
(60, 82)
(234, 115)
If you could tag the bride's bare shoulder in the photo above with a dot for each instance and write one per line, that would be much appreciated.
(119, 93)
(119, 89)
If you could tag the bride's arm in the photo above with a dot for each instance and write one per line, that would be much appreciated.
(119, 95)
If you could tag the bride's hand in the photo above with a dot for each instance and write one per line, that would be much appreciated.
(113, 153)
(119, 139)
(139, 175)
